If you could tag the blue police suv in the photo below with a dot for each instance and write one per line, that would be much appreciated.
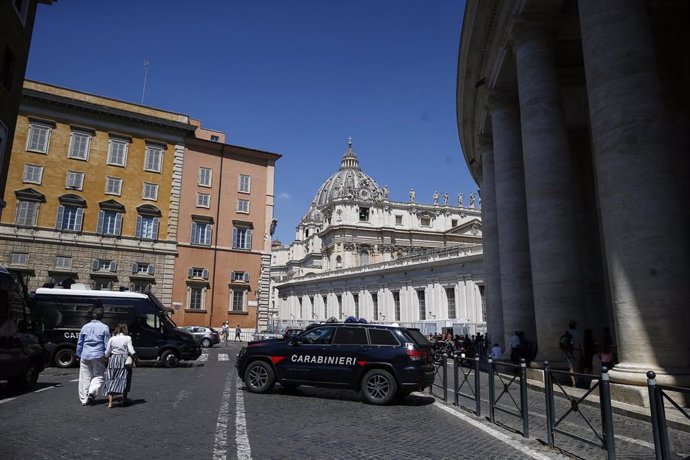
(383, 362)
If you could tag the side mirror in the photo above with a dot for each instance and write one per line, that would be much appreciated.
(295, 342)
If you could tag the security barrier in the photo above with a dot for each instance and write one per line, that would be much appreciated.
(472, 366)
(519, 372)
(606, 438)
(657, 394)
(441, 369)
(598, 416)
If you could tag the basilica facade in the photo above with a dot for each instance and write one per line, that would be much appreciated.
(358, 253)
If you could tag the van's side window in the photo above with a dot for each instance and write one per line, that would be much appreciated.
(151, 320)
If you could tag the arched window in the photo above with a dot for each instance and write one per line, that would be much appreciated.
(364, 258)
(338, 262)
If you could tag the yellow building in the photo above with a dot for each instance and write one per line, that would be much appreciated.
(93, 191)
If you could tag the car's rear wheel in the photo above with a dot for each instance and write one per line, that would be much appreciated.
(259, 377)
(206, 343)
(169, 359)
(379, 387)
(64, 358)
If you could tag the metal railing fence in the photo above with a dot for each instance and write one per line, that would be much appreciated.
(518, 372)
(467, 367)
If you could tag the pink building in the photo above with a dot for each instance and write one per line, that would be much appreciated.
(224, 238)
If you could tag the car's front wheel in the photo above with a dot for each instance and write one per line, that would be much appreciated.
(259, 377)
(206, 343)
(379, 387)
(169, 359)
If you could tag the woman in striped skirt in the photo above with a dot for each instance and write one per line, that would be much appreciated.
(118, 376)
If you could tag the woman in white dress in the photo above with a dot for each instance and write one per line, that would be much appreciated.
(118, 375)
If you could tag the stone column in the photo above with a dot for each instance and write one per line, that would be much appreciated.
(492, 269)
(644, 223)
(511, 213)
(551, 212)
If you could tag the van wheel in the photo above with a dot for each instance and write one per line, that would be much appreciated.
(379, 387)
(26, 381)
(169, 359)
(64, 358)
(259, 377)
(206, 343)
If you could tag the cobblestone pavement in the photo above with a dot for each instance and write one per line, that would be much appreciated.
(633, 437)
(201, 410)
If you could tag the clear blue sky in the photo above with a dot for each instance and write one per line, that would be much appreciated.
(292, 77)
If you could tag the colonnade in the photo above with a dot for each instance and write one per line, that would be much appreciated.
(533, 224)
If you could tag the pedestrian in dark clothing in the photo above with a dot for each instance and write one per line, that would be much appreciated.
(588, 351)
(515, 348)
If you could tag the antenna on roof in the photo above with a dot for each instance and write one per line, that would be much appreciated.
(146, 74)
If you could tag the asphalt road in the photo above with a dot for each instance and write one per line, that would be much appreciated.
(202, 411)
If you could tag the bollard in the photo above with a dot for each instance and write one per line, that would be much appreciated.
(476, 386)
(492, 392)
(548, 391)
(455, 381)
(656, 407)
(444, 378)
(607, 413)
(523, 398)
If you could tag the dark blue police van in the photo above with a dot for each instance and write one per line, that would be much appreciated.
(383, 362)
(154, 335)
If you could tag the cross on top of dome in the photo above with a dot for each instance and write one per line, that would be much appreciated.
(350, 160)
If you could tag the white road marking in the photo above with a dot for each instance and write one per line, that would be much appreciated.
(220, 445)
(6, 400)
(495, 433)
(244, 451)
(202, 357)
(75, 380)
(43, 389)
(223, 357)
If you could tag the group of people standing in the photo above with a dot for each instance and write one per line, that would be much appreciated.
(106, 361)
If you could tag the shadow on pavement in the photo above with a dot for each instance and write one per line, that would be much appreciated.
(342, 394)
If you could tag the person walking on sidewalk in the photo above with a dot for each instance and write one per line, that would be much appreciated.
(93, 338)
(225, 331)
(121, 359)
(238, 331)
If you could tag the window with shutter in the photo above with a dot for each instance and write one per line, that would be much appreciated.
(79, 146)
(33, 174)
(153, 158)
(38, 138)
(27, 212)
(117, 152)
